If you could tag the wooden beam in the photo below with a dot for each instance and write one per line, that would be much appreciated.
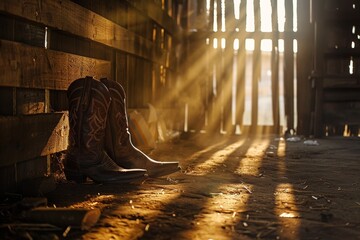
(304, 66)
(30, 136)
(72, 18)
(275, 69)
(341, 95)
(34, 67)
(319, 46)
(289, 67)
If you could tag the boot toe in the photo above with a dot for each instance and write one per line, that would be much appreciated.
(160, 169)
(115, 176)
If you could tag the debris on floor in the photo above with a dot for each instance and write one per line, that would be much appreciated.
(231, 187)
(31, 218)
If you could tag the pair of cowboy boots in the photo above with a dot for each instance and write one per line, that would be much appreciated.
(100, 144)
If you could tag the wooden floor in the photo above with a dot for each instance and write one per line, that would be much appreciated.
(232, 188)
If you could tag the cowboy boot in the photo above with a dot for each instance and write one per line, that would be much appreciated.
(89, 102)
(118, 138)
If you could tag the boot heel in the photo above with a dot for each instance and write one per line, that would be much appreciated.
(75, 176)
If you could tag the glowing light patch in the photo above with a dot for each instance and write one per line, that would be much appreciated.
(287, 215)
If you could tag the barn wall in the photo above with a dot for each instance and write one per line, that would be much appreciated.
(45, 45)
(335, 76)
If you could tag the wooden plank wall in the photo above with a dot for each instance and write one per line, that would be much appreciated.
(46, 45)
(335, 81)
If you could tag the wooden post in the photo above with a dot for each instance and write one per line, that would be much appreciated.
(275, 68)
(211, 98)
(256, 69)
(211, 20)
(289, 66)
(240, 84)
(208, 67)
(319, 71)
(241, 66)
(228, 68)
(304, 67)
(215, 117)
(226, 82)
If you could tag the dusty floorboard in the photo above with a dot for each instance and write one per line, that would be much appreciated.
(233, 188)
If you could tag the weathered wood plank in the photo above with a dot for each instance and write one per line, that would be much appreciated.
(158, 15)
(30, 101)
(33, 168)
(121, 68)
(29, 136)
(341, 113)
(341, 95)
(7, 178)
(33, 67)
(6, 101)
(344, 81)
(72, 18)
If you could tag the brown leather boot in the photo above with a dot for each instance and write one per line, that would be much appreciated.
(89, 102)
(118, 139)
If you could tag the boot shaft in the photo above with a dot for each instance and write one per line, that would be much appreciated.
(118, 138)
(89, 101)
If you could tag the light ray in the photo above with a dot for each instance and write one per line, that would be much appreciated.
(250, 164)
(223, 210)
(287, 211)
(217, 159)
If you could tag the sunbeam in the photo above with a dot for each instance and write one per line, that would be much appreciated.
(223, 210)
(249, 165)
(281, 152)
(287, 211)
(217, 159)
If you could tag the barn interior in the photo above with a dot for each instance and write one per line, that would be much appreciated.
(258, 101)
